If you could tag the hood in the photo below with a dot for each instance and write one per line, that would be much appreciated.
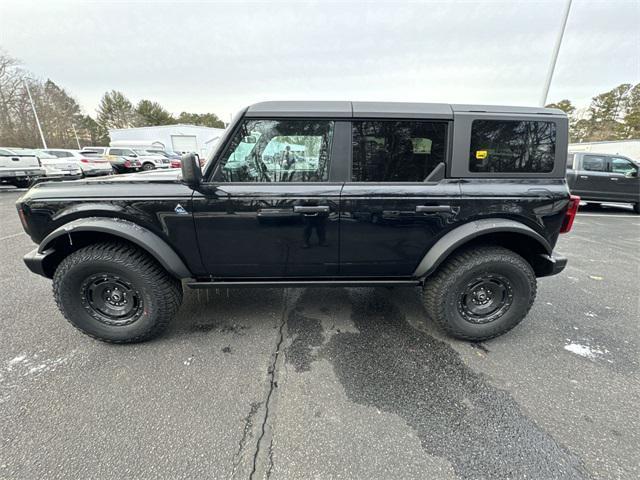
(142, 184)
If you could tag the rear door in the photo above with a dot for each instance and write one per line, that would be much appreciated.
(391, 210)
(624, 179)
(592, 182)
(270, 208)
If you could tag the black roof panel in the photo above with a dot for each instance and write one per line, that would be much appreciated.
(345, 109)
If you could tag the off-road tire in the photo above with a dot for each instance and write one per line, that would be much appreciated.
(444, 290)
(160, 293)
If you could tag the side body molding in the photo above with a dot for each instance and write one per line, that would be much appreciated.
(145, 239)
(462, 234)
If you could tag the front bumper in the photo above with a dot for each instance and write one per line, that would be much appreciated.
(35, 261)
(547, 265)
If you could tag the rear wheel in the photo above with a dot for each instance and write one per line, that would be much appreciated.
(480, 293)
(116, 293)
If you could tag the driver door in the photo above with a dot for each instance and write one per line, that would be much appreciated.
(269, 209)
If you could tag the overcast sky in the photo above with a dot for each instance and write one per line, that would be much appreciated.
(219, 56)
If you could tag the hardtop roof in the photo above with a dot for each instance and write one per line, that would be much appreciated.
(345, 109)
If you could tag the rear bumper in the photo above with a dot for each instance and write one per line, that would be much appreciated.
(34, 261)
(547, 265)
(22, 173)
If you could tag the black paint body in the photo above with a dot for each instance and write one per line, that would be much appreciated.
(226, 231)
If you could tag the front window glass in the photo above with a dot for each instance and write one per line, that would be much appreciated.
(278, 151)
(623, 166)
(594, 163)
(512, 146)
(397, 151)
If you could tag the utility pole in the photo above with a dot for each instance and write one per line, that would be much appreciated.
(33, 106)
(554, 58)
(76, 135)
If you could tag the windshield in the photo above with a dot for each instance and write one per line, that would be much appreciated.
(42, 154)
(141, 151)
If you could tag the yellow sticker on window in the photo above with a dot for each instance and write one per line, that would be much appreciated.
(481, 154)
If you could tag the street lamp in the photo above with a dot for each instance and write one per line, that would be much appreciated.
(554, 58)
(35, 113)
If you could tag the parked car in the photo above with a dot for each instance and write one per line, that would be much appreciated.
(470, 201)
(90, 164)
(19, 169)
(119, 164)
(147, 160)
(174, 158)
(603, 177)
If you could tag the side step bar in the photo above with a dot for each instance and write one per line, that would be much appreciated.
(303, 283)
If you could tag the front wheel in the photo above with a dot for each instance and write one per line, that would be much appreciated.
(116, 293)
(148, 166)
(480, 293)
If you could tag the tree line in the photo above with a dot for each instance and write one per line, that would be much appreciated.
(612, 115)
(61, 117)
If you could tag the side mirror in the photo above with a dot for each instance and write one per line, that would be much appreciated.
(191, 170)
(631, 174)
(133, 155)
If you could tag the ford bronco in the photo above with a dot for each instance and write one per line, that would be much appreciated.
(464, 202)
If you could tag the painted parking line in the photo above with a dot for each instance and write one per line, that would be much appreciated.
(12, 236)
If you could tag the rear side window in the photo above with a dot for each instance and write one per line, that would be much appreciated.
(512, 146)
(594, 163)
(397, 151)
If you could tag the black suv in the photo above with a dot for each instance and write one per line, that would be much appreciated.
(464, 202)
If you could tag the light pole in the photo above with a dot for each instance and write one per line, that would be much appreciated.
(554, 58)
(35, 113)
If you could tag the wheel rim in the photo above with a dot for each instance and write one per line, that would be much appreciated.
(111, 299)
(485, 299)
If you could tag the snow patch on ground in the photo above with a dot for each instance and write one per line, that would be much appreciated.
(586, 351)
(26, 365)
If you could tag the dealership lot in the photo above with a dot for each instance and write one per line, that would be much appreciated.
(330, 383)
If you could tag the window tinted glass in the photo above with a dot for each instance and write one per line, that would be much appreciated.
(396, 151)
(622, 165)
(278, 151)
(511, 146)
(117, 151)
(594, 163)
(570, 158)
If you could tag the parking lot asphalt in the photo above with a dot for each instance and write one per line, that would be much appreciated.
(331, 383)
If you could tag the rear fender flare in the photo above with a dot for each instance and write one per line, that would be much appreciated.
(469, 231)
(127, 230)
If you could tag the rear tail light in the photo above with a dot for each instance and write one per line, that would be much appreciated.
(574, 202)
(84, 160)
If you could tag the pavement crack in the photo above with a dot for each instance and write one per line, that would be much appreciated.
(248, 424)
(273, 384)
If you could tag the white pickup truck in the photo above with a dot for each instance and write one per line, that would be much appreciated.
(19, 169)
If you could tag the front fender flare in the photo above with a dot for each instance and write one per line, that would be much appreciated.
(464, 233)
(145, 239)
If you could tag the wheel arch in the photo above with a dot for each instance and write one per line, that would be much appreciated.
(510, 234)
(82, 232)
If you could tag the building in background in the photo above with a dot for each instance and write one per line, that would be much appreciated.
(628, 148)
(178, 138)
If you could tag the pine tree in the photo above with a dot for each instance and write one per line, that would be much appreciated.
(115, 111)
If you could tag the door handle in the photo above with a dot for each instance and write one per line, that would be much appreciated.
(433, 208)
(15, 159)
(584, 177)
(311, 209)
(614, 179)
